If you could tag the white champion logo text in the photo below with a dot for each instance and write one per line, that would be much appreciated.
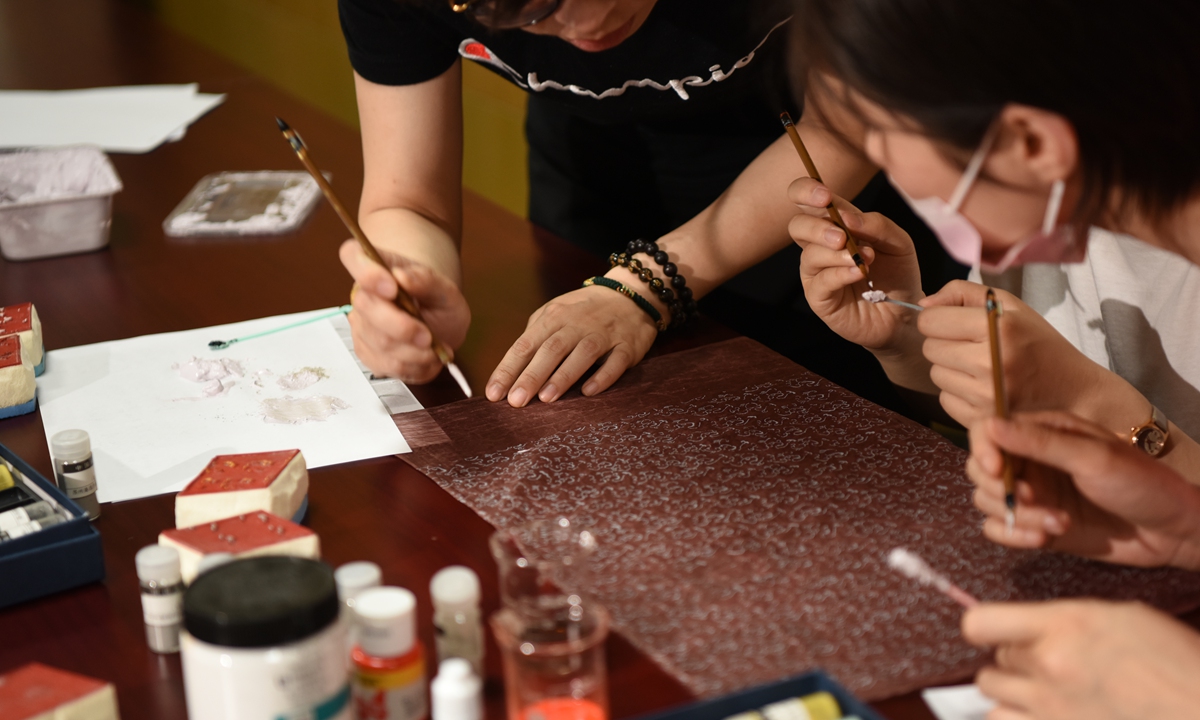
(474, 50)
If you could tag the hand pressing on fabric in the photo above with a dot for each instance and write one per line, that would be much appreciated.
(833, 284)
(566, 336)
(388, 340)
(1082, 490)
(1042, 369)
(1086, 660)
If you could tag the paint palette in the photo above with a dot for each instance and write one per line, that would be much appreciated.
(244, 203)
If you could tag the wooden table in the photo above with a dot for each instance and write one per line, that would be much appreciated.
(381, 510)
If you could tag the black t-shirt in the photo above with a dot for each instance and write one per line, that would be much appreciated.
(713, 65)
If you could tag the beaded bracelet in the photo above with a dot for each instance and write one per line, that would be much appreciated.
(628, 292)
(678, 282)
(646, 275)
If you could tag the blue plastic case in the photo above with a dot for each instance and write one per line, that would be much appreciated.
(58, 558)
(758, 697)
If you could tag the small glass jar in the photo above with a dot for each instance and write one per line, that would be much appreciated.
(264, 639)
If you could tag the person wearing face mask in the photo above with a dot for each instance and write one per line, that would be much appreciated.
(1095, 322)
(989, 115)
(647, 119)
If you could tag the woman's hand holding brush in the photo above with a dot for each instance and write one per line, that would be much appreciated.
(389, 341)
(833, 284)
(1085, 491)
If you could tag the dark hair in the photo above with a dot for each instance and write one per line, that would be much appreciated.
(1125, 75)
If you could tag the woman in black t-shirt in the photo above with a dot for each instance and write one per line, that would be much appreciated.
(655, 119)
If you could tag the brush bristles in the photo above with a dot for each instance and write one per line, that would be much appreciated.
(284, 127)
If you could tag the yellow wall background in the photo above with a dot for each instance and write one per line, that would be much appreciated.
(297, 44)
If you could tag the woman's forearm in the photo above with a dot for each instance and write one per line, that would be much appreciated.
(749, 222)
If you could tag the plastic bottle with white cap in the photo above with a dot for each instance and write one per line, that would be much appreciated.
(389, 661)
(457, 692)
(72, 452)
(456, 616)
(162, 596)
(352, 578)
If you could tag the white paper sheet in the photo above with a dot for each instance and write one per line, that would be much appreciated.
(152, 431)
(959, 702)
(133, 119)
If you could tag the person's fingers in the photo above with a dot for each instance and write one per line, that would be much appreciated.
(1063, 447)
(1004, 712)
(1013, 690)
(962, 294)
(806, 192)
(963, 412)
(807, 230)
(517, 358)
(953, 323)
(995, 624)
(974, 359)
(369, 275)
(388, 359)
(383, 324)
(971, 389)
(586, 353)
(618, 361)
(826, 272)
(547, 357)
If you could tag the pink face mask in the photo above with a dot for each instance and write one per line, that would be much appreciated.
(1053, 243)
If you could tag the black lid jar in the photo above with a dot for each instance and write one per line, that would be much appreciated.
(264, 640)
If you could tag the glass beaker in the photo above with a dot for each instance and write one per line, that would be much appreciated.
(554, 673)
(551, 637)
(544, 567)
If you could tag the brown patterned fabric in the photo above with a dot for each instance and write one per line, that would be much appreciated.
(744, 509)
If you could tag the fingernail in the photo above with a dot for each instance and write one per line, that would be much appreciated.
(517, 397)
(852, 219)
(548, 393)
(589, 388)
(495, 391)
(820, 196)
(833, 235)
(422, 339)
(1053, 525)
(382, 288)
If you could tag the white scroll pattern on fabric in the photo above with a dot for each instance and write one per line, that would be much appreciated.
(743, 537)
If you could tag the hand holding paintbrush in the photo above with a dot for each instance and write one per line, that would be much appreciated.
(403, 300)
(871, 295)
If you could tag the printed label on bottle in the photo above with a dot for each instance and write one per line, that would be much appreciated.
(326, 710)
(163, 610)
(394, 695)
(77, 467)
(78, 484)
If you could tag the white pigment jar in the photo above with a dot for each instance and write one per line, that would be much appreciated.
(263, 641)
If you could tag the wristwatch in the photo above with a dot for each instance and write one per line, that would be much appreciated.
(1152, 437)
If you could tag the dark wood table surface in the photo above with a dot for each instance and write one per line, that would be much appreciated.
(144, 282)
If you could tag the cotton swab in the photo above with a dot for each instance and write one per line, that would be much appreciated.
(222, 344)
(912, 566)
(879, 296)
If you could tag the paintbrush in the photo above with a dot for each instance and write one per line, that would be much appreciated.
(403, 300)
(912, 566)
(222, 344)
(834, 215)
(994, 311)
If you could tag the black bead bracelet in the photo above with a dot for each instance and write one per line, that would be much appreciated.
(682, 292)
(646, 275)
